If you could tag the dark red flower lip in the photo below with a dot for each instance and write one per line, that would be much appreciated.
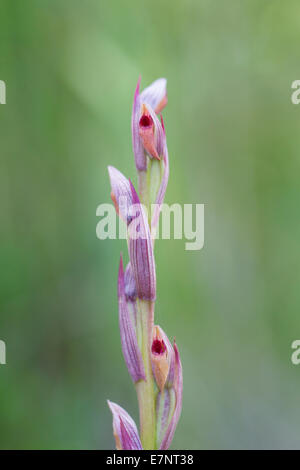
(158, 347)
(146, 121)
(147, 133)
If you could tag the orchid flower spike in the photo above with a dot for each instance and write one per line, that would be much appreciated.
(152, 361)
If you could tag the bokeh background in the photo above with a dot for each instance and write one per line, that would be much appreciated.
(233, 134)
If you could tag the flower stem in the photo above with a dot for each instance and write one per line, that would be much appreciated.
(143, 188)
(145, 389)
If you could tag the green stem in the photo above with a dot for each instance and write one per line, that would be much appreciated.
(143, 188)
(145, 388)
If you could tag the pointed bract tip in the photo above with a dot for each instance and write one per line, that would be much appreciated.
(162, 123)
(124, 429)
(137, 89)
(121, 263)
(120, 193)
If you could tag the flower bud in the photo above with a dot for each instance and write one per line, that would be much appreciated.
(124, 429)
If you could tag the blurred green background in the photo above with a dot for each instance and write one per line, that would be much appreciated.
(233, 134)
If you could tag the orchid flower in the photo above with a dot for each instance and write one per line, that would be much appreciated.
(150, 146)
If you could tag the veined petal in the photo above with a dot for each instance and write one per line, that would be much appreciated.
(124, 429)
(168, 436)
(156, 94)
(121, 192)
(165, 406)
(141, 251)
(131, 294)
(138, 149)
(130, 348)
(130, 285)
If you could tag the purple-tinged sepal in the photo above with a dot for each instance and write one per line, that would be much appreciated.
(130, 285)
(138, 149)
(124, 429)
(140, 248)
(127, 322)
(156, 95)
(131, 295)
